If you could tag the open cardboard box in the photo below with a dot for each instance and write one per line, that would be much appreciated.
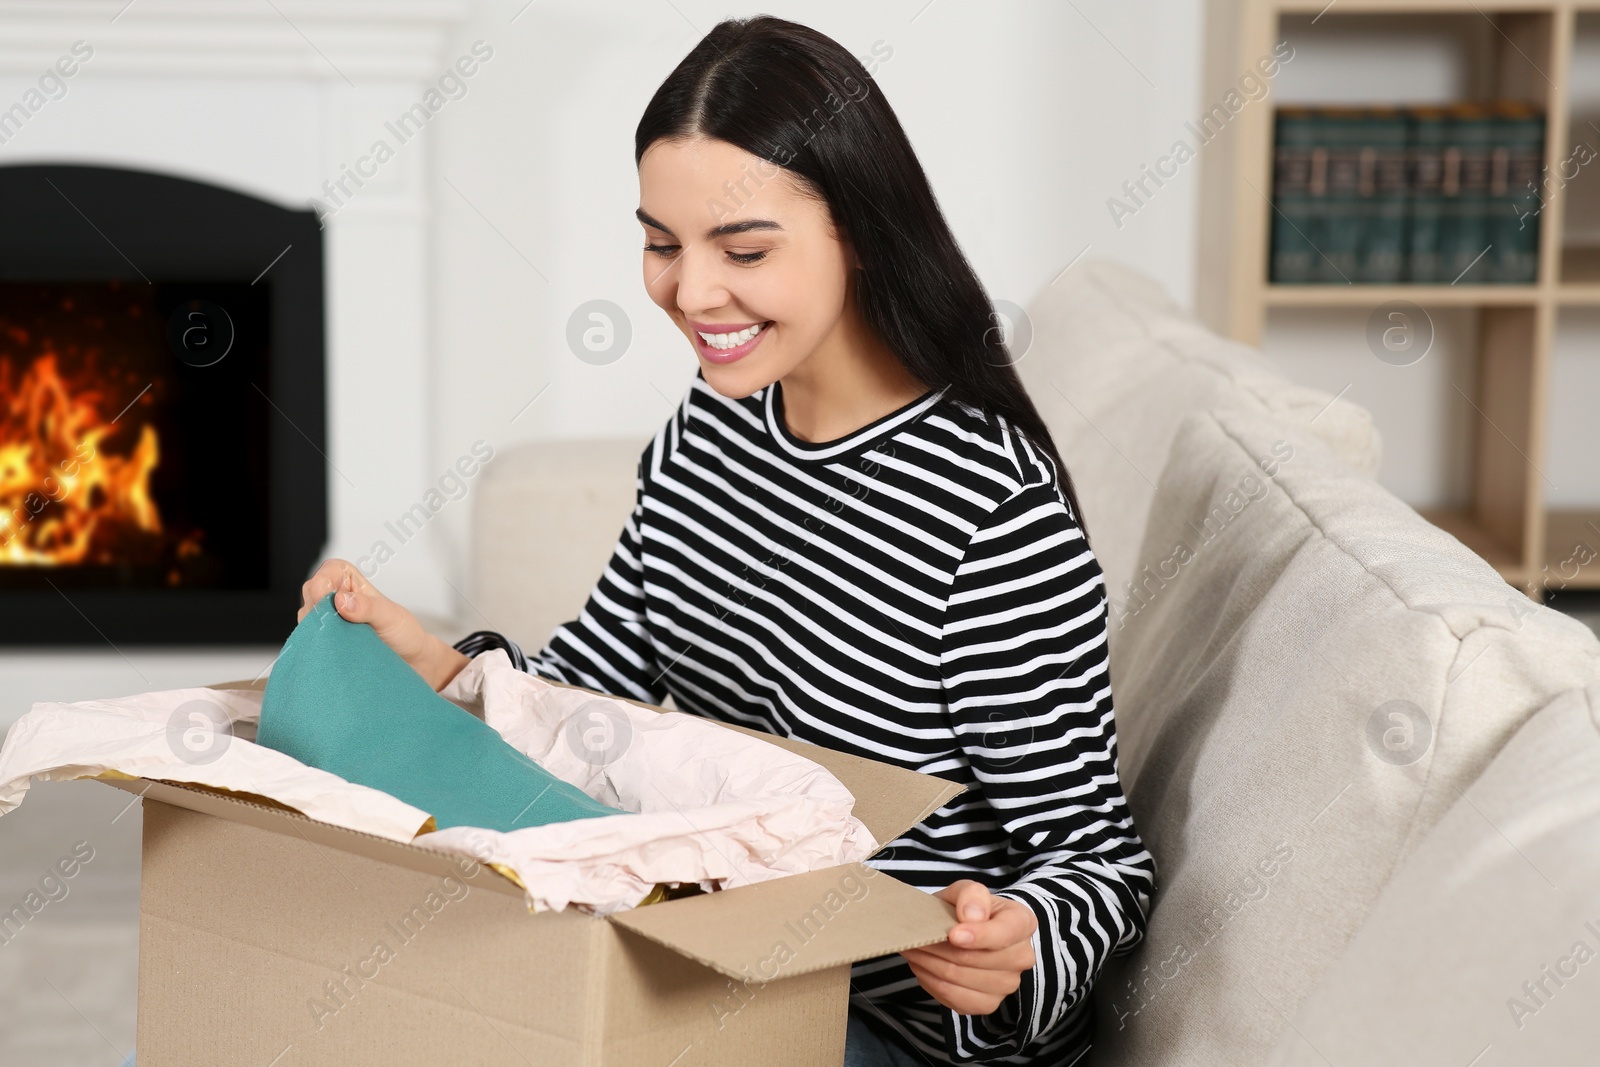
(269, 938)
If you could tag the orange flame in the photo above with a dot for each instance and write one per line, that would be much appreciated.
(57, 488)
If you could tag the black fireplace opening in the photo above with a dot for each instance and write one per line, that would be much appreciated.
(162, 409)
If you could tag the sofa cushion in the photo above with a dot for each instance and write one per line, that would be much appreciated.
(1115, 365)
(1488, 936)
(1309, 674)
(545, 519)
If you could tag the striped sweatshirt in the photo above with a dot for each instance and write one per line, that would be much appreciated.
(916, 592)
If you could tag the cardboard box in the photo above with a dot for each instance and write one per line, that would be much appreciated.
(269, 938)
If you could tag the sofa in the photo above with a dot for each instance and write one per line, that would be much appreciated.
(1368, 769)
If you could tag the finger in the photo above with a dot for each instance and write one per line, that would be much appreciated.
(322, 582)
(333, 576)
(357, 581)
(974, 904)
(951, 996)
(356, 603)
(358, 607)
(312, 593)
(957, 998)
(1016, 957)
(977, 981)
(1009, 922)
(971, 899)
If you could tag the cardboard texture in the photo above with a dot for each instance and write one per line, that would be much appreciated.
(267, 937)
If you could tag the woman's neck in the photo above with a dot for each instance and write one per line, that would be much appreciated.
(850, 381)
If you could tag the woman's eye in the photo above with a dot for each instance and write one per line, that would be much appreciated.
(738, 257)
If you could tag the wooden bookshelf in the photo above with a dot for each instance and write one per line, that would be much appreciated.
(1529, 54)
(1580, 277)
(1365, 296)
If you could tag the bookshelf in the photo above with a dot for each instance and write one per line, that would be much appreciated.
(1523, 50)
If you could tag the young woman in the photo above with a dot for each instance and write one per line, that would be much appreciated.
(856, 530)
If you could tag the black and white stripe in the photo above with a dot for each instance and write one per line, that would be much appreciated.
(917, 592)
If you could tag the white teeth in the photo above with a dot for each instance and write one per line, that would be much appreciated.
(731, 340)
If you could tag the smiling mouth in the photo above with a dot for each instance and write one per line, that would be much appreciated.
(725, 341)
(732, 346)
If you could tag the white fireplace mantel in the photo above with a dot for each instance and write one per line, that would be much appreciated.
(364, 40)
(276, 98)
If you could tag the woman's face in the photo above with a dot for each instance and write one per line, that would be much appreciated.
(732, 243)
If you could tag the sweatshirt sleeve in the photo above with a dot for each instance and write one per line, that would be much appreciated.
(607, 647)
(1028, 690)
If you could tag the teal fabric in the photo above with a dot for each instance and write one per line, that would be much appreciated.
(341, 700)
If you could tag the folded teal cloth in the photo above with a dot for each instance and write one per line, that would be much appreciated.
(341, 700)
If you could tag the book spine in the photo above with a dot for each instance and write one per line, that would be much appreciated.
(1465, 243)
(1342, 223)
(1293, 250)
(1426, 133)
(1383, 198)
(1517, 159)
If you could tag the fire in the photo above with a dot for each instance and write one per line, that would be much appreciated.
(57, 487)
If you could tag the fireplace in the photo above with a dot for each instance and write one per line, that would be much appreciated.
(162, 409)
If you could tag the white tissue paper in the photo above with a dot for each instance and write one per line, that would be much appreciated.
(708, 805)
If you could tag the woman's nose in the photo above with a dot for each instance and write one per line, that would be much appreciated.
(700, 283)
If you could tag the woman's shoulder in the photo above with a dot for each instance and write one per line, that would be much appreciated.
(1018, 508)
(994, 453)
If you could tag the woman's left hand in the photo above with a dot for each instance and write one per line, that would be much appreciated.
(986, 954)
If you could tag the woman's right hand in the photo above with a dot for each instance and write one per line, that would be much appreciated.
(358, 600)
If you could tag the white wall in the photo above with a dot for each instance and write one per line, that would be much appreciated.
(1025, 117)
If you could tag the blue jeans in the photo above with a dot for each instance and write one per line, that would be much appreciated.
(871, 1044)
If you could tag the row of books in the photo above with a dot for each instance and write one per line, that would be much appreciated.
(1436, 195)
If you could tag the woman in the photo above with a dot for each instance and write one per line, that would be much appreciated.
(857, 531)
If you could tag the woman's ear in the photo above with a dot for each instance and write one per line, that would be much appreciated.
(850, 250)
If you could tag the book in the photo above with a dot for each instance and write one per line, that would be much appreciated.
(1294, 218)
(1464, 235)
(1419, 194)
(1343, 132)
(1427, 131)
(1514, 209)
(1384, 193)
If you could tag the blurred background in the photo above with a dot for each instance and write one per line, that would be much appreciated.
(419, 206)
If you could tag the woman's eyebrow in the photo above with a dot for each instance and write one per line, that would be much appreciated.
(725, 230)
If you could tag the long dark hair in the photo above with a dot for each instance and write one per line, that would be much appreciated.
(792, 96)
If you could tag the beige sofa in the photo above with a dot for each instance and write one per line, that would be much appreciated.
(1368, 769)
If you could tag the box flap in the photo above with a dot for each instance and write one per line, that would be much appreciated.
(798, 924)
(268, 815)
